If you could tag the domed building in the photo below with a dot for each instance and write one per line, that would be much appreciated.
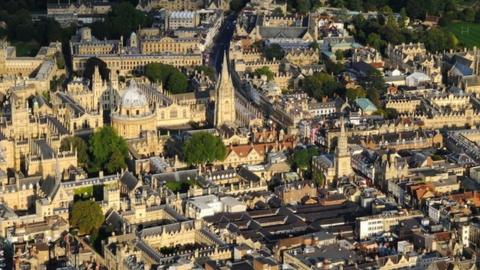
(133, 115)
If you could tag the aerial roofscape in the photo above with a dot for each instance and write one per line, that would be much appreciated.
(239, 134)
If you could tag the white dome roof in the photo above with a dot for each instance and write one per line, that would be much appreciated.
(133, 97)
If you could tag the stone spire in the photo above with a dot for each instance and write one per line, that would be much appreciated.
(224, 97)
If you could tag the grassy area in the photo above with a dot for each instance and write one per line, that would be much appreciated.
(85, 192)
(467, 33)
(175, 186)
(26, 48)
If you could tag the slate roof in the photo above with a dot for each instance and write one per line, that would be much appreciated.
(129, 181)
(282, 32)
(115, 220)
(248, 175)
(49, 186)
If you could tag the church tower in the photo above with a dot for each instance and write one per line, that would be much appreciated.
(224, 97)
(97, 88)
(343, 166)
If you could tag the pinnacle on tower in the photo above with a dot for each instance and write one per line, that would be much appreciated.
(225, 65)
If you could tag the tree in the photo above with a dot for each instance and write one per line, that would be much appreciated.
(264, 71)
(390, 113)
(203, 148)
(237, 5)
(122, 20)
(77, 144)
(206, 70)
(354, 93)
(302, 158)
(303, 6)
(278, 12)
(403, 18)
(375, 86)
(90, 65)
(375, 41)
(87, 216)
(109, 150)
(60, 60)
(339, 55)
(319, 179)
(171, 78)
(177, 83)
(314, 45)
(438, 39)
(469, 14)
(321, 84)
(274, 51)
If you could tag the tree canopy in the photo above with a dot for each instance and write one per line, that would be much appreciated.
(87, 216)
(357, 92)
(302, 158)
(78, 144)
(208, 71)
(90, 65)
(439, 39)
(264, 71)
(171, 78)
(109, 150)
(274, 51)
(303, 6)
(320, 85)
(203, 148)
(237, 5)
(122, 20)
(28, 35)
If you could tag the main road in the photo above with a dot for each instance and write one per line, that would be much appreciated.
(222, 42)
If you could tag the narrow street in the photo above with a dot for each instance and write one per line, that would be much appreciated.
(222, 42)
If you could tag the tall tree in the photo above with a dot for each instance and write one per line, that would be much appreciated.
(203, 148)
(177, 83)
(122, 20)
(274, 51)
(87, 216)
(302, 158)
(264, 71)
(321, 84)
(109, 150)
(90, 65)
(171, 78)
(77, 144)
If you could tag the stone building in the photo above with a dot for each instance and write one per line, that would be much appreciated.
(133, 115)
(140, 51)
(293, 193)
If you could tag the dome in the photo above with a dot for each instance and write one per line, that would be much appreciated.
(133, 97)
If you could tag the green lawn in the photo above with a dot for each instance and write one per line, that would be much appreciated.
(467, 33)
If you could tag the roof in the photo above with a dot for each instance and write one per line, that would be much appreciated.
(115, 220)
(282, 32)
(133, 97)
(248, 175)
(49, 186)
(129, 180)
(365, 104)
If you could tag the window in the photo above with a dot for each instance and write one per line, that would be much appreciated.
(173, 114)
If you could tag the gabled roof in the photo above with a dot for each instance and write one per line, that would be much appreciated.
(129, 181)
(282, 32)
